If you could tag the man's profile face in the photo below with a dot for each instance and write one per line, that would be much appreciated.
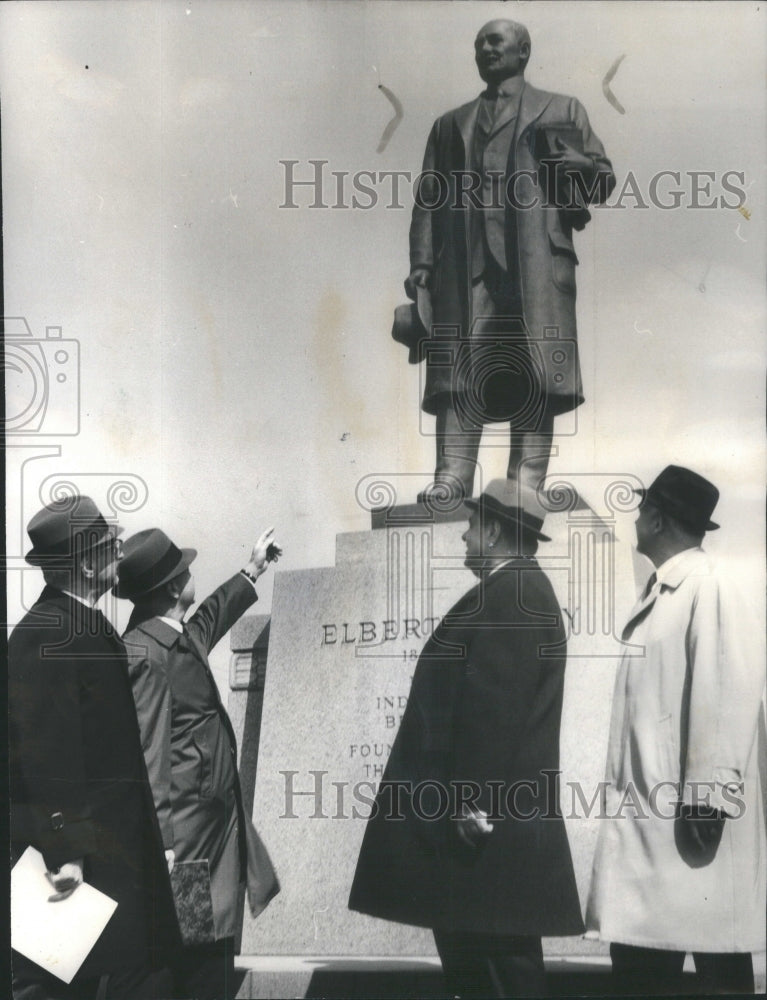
(474, 540)
(105, 557)
(184, 587)
(498, 54)
(643, 525)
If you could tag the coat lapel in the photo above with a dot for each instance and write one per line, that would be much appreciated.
(531, 106)
(508, 113)
(639, 610)
(465, 119)
(160, 631)
(670, 581)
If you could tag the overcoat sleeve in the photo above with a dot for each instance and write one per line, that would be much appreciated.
(428, 192)
(47, 744)
(216, 615)
(600, 186)
(151, 694)
(726, 687)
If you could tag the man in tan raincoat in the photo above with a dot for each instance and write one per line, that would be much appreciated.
(680, 861)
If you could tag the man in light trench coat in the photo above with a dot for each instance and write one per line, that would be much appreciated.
(190, 747)
(680, 860)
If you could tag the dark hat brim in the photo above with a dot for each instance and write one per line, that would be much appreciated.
(510, 517)
(125, 591)
(643, 493)
(37, 557)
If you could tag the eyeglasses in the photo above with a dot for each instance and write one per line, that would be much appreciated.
(110, 542)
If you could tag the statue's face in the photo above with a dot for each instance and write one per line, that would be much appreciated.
(498, 54)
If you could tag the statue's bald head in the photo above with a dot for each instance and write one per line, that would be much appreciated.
(501, 50)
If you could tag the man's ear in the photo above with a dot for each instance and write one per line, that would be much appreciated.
(172, 590)
(88, 567)
(493, 531)
(524, 51)
(658, 521)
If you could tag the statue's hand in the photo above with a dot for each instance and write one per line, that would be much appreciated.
(572, 160)
(418, 278)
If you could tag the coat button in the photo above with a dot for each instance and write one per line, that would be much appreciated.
(57, 821)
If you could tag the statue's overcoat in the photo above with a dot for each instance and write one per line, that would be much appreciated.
(539, 244)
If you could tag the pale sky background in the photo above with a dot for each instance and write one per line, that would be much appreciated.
(237, 357)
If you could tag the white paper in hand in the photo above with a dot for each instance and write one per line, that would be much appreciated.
(57, 936)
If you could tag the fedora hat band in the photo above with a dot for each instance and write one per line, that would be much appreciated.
(81, 538)
(489, 505)
(154, 575)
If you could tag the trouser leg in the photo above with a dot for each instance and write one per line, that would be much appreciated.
(724, 973)
(457, 449)
(140, 982)
(529, 455)
(485, 965)
(646, 971)
(30, 982)
(206, 972)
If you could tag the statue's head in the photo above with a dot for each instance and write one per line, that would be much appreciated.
(501, 50)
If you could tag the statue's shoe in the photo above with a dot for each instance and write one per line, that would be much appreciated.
(442, 496)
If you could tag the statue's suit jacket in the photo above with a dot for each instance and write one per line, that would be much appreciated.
(191, 751)
(541, 257)
(484, 706)
(687, 708)
(79, 786)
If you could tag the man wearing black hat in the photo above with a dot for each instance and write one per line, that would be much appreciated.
(683, 867)
(190, 748)
(465, 836)
(79, 788)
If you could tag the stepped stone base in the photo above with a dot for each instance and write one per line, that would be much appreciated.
(361, 977)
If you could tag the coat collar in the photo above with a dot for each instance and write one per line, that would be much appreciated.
(682, 566)
(87, 619)
(158, 630)
(532, 104)
(678, 567)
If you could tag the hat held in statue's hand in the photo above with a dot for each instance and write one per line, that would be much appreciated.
(684, 495)
(412, 323)
(500, 499)
(73, 524)
(149, 560)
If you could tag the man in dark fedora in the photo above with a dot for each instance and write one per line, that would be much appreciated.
(506, 180)
(79, 788)
(190, 747)
(683, 870)
(465, 836)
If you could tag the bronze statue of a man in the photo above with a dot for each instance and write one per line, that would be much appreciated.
(506, 179)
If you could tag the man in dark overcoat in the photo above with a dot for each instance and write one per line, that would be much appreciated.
(79, 788)
(466, 836)
(506, 179)
(189, 743)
